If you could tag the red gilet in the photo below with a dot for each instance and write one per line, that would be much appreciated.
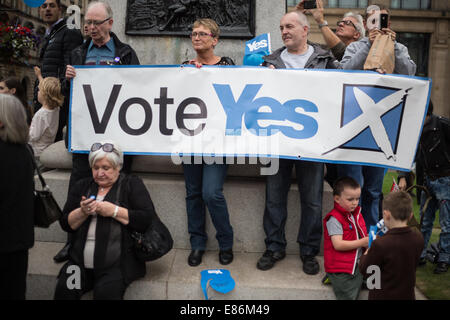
(343, 261)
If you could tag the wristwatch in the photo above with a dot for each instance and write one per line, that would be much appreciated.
(325, 23)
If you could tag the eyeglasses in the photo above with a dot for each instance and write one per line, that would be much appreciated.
(95, 22)
(200, 34)
(107, 147)
(347, 23)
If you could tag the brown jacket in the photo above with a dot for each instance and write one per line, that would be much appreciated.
(397, 255)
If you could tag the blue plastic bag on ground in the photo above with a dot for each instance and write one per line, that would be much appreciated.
(218, 279)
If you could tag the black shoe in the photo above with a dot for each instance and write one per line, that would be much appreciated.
(422, 262)
(195, 258)
(269, 258)
(441, 267)
(226, 256)
(310, 265)
(62, 255)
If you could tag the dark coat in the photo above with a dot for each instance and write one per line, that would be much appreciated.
(55, 53)
(16, 198)
(320, 59)
(78, 56)
(56, 50)
(433, 155)
(133, 196)
(397, 255)
(126, 54)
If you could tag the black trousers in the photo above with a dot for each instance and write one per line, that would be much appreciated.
(108, 284)
(13, 275)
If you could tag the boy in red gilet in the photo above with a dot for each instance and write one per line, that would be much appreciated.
(345, 237)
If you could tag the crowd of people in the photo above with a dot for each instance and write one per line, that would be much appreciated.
(105, 202)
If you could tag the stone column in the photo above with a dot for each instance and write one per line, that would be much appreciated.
(175, 50)
(440, 68)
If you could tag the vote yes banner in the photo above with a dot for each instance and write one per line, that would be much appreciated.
(318, 115)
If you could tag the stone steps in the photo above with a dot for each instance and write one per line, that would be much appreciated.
(170, 278)
(245, 199)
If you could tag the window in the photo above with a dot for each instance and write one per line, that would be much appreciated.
(347, 3)
(411, 4)
(418, 47)
(337, 3)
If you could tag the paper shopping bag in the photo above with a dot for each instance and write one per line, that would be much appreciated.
(381, 55)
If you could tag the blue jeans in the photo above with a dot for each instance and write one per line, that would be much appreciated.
(204, 186)
(310, 185)
(440, 191)
(371, 181)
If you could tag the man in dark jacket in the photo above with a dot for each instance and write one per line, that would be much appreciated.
(433, 171)
(297, 53)
(102, 48)
(58, 43)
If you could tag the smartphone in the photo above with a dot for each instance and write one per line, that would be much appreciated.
(309, 4)
(384, 20)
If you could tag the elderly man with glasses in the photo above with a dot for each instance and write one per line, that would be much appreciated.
(349, 29)
(102, 47)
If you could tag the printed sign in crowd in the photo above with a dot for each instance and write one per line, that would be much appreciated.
(331, 116)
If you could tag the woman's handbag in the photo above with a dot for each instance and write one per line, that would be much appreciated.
(155, 242)
(46, 209)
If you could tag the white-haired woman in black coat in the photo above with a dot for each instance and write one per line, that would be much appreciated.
(100, 213)
(16, 199)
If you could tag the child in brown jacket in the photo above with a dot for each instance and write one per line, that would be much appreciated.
(391, 261)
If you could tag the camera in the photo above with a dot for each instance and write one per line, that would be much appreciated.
(309, 4)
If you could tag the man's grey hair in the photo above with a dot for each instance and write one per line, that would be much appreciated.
(105, 5)
(13, 119)
(302, 19)
(115, 157)
(359, 25)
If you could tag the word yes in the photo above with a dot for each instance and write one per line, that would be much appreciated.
(282, 118)
(255, 45)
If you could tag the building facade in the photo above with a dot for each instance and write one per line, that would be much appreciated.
(16, 12)
(422, 25)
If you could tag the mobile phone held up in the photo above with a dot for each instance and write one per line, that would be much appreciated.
(383, 20)
(309, 4)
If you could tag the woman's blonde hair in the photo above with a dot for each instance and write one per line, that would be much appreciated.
(50, 89)
(208, 23)
(13, 120)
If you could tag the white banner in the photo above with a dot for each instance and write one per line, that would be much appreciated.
(321, 115)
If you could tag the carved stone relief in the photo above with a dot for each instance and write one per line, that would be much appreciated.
(236, 18)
